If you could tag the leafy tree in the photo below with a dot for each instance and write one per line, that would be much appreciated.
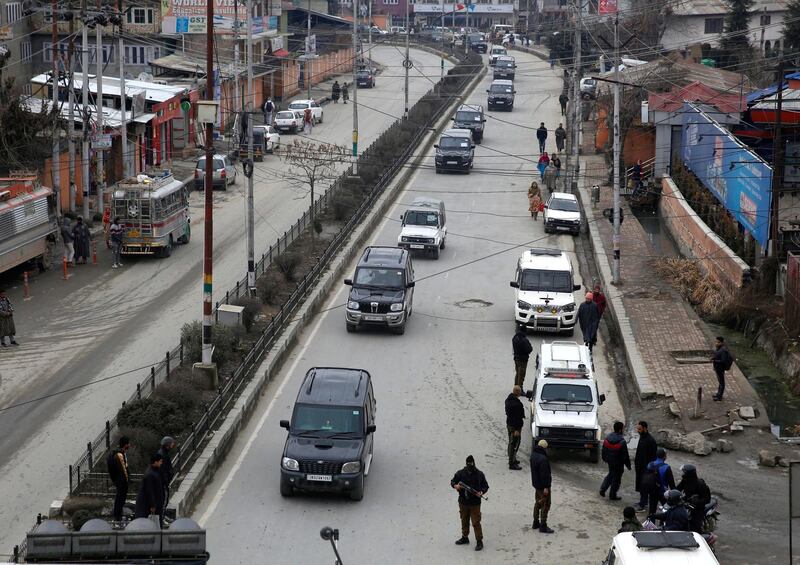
(791, 29)
(735, 43)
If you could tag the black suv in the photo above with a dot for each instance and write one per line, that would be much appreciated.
(329, 446)
(470, 116)
(365, 78)
(504, 67)
(477, 43)
(501, 94)
(383, 290)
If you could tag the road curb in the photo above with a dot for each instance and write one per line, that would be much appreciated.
(203, 470)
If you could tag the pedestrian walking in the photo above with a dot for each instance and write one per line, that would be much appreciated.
(515, 415)
(469, 500)
(697, 494)
(615, 454)
(165, 471)
(522, 348)
(541, 135)
(117, 465)
(308, 121)
(563, 99)
(646, 451)
(648, 485)
(722, 360)
(106, 226)
(557, 164)
(83, 241)
(535, 202)
(599, 299)
(7, 328)
(66, 237)
(552, 60)
(544, 160)
(542, 481)
(336, 91)
(150, 500)
(550, 176)
(561, 138)
(589, 320)
(345, 93)
(630, 522)
(116, 232)
(269, 111)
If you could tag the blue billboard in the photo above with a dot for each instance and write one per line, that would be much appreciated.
(738, 177)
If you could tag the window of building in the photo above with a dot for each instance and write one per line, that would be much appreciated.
(140, 55)
(766, 20)
(25, 51)
(140, 16)
(108, 54)
(13, 12)
(713, 25)
(47, 51)
(387, 2)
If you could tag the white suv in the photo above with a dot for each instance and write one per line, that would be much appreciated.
(544, 291)
(565, 398)
(562, 213)
(301, 105)
(424, 226)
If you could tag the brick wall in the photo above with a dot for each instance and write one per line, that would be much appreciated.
(696, 240)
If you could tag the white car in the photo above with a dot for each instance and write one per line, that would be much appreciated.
(301, 105)
(379, 30)
(290, 121)
(272, 139)
(424, 226)
(496, 52)
(517, 38)
(562, 213)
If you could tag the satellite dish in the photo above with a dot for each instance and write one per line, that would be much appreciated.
(145, 77)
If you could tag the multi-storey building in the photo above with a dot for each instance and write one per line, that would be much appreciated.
(16, 44)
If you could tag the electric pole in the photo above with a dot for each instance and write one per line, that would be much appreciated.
(71, 123)
(236, 96)
(355, 85)
(616, 266)
(407, 61)
(369, 31)
(101, 176)
(251, 257)
(576, 98)
(85, 106)
(441, 62)
(308, 52)
(777, 163)
(208, 319)
(126, 170)
(56, 158)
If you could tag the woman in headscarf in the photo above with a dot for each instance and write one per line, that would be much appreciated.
(534, 200)
(544, 160)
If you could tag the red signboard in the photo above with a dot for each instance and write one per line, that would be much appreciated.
(607, 7)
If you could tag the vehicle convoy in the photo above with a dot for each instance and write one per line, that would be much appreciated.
(28, 224)
(382, 292)
(544, 291)
(301, 105)
(562, 213)
(330, 442)
(424, 226)
(501, 95)
(504, 68)
(455, 151)
(224, 173)
(154, 212)
(565, 398)
(495, 52)
(471, 117)
(660, 548)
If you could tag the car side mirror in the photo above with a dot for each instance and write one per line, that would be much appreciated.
(487, 90)
(285, 424)
(452, 119)
(514, 284)
(513, 92)
(371, 429)
(436, 146)
(472, 146)
(411, 284)
(576, 287)
(483, 120)
(602, 398)
(348, 282)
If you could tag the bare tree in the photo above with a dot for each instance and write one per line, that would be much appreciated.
(314, 166)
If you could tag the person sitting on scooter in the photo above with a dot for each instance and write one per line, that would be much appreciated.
(674, 517)
(697, 494)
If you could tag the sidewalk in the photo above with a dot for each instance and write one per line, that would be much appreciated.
(656, 323)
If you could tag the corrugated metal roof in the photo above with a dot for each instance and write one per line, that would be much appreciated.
(111, 117)
(153, 92)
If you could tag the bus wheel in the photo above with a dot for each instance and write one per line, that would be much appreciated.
(184, 239)
(166, 251)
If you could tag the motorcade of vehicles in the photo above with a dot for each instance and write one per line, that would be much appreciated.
(565, 400)
(330, 442)
(224, 172)
(562, 213)
(455, 151)
(272, 138)
(301, 105)
(382, 290)
(659, 548)
(495, 52)
(154, 214)
(504, 67)
(289, 121)
(365, 78)
(28, 223)
(544, 287)
(471, 117)
(501, 95)
(424, 226)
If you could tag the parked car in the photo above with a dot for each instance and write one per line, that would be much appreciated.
(365, 78)
(301, 105)
(379, 30)
(224, 172)
(397, 29)
(290, 121)
(272, 138)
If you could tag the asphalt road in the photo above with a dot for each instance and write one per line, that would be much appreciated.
(440, 390)
(104, 322)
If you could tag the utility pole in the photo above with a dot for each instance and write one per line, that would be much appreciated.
(85, 105)
(251, 246)
(441, 62)
(308, 54)
(369, 31)
(355, 85)
(236, 95)
(101, 173)
(56, 158)
(407, 61)
(208, 319)
(126, 169)
(576, 97)
(71, 124)
(616, 260)
(466, 27)
(777, 163)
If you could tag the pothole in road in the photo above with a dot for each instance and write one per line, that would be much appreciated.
(474, 303)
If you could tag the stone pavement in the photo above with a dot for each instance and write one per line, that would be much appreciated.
(655, 321)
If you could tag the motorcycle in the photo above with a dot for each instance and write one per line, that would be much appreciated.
(710, 517)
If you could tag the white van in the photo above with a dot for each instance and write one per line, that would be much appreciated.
(424, 226)
(660, 548)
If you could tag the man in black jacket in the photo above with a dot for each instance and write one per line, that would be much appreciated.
(469, 503)
(589, 320)
(674, 516)
(697, 494)
(150, 499)
(615, 454)
(522, 351)
(117, 464)
(165, 471)
(645, 452)
(541, 135)
(722, 361)
(515, 415)
(542, 480)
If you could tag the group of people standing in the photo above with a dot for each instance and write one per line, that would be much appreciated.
(337, 90)
(77, 241)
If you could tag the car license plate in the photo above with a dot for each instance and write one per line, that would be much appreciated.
(416, 246)
(321, 478)
(565, 228)
(452, 162)
(373, 318)
(133, 233)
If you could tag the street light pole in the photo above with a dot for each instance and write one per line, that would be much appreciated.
(85, 106)
(56, 158)
(307, 62)
(369, 23)
(126, 169)
(208, 319)
(576, 96)
(101, 177)
(355, 87)
(251, 262)
(616, 240)
(407, 61)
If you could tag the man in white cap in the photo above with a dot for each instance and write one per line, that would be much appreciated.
(542, 481)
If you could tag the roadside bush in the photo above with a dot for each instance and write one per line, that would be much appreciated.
(144, 442)
(267, 288)
(224, 339)
(75, 504)
(252, 308)
(182, 393)
(287, 264)
(154, 413)
(317, 227)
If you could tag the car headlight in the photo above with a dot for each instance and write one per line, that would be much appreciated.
(396, 307)
(522, 305)
(430, 240)
(568, 307)
(544, 432)
(351, 467)
(352, 304)
(589, 434)
(578, 221)
(290, 464)
(405, 239)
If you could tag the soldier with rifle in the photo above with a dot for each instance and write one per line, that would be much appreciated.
(471, 485)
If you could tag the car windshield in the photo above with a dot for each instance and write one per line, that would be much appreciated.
(419, 218)
(363, 73)
(497, 51)
(454, 143)
(285, 116)
(500, 89)
(566, 393)
(327, 420)
(376, 276)
(468, 117)
(564, 204)
(298, 106)
(546, 281)
(217, 164)
(505, 64)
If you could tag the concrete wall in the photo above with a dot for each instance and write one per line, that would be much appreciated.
(696, 240)
(681, 31)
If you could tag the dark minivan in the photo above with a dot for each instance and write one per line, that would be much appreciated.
(329, 446)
